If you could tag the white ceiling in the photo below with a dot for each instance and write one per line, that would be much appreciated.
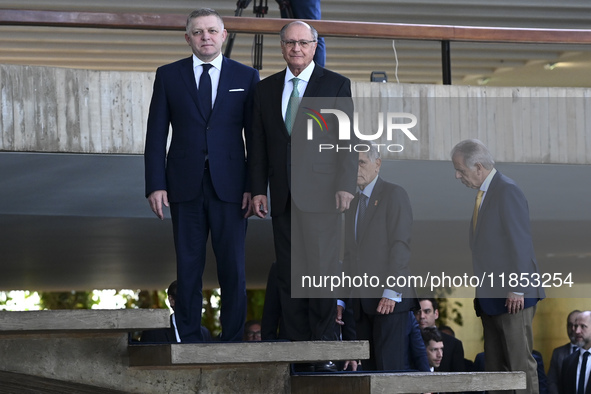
(418, 61)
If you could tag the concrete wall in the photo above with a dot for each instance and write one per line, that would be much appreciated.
(48, 109)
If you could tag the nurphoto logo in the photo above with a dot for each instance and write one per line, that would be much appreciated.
(395, 122)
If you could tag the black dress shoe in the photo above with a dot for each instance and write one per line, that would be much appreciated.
(327, 366)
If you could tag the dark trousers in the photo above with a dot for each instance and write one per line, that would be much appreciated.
(305, 243)
(387, 338)
(193, 221)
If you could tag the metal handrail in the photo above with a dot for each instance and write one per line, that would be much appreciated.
(445, 34)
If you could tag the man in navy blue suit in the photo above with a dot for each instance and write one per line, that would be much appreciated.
(378, 230)
(562, 352)
(207, 99)
(501, 243)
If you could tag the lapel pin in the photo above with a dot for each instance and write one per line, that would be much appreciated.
(375, 204)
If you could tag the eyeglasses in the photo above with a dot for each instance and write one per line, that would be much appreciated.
(303, 43)
(253, 334)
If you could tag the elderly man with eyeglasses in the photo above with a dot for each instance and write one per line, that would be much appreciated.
(309, 189)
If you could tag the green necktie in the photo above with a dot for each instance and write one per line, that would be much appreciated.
(292, 105)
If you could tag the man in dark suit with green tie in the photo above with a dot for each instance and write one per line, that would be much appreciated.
(308, 188)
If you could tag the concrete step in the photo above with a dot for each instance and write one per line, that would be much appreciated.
(216, 353)
(406, 382)
(83, 320)
(13, 383)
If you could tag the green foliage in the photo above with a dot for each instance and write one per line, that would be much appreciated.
(448, 312)
(66, 300)
(154, 299)
(211, 311)
(5, 298)
(255, 302)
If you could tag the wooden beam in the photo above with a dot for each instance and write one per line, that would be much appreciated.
(326, 28)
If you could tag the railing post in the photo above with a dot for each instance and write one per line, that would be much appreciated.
(446, 62)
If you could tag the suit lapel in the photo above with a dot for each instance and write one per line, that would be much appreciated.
(224, 85)
(350, 215)
(312, 90)
(488, 198)
(188, 77)
(275, 101)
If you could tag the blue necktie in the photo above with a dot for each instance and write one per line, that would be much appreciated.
(205, 91)
(581, 386)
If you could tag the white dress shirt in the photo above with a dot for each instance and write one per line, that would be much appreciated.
(304, 78)
(176, 331)
(486, 184)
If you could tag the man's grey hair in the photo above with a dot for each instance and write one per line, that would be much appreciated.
(312, 30)
(202, 12)
(373, 153)
(474, 151)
